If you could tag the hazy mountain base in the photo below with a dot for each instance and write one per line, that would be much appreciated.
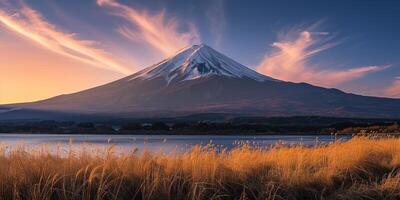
(152, 98)
(370, 171)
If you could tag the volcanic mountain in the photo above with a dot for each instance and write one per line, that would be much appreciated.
(199, 79)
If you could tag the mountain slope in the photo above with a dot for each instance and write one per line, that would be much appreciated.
(199, 79)
(198, 61)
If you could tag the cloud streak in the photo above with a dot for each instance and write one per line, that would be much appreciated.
(155, 30)
(394, 89)
(290, 61)
(25, 21)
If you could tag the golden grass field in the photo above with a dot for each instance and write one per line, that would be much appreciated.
(361, 168)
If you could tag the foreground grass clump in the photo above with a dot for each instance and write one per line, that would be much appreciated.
(361, 168)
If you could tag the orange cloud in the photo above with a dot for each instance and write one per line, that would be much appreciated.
(155, 30)
(394, 89)
(289, 61)
(29, 23)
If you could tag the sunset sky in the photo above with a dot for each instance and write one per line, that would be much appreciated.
(52, 47)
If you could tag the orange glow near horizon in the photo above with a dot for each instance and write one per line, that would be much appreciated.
(40, 61)
(30, 72)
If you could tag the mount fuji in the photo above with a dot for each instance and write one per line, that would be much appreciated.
(198, 79)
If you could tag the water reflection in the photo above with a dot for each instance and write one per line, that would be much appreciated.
(156, 143)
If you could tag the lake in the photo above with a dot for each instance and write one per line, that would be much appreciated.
(60, 143)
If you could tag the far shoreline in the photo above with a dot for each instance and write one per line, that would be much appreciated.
(170, 133)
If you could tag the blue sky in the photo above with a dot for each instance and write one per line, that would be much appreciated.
(350, 45)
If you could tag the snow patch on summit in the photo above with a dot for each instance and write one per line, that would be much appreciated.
(198, 61)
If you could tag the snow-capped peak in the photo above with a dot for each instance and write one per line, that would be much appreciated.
(198, 61)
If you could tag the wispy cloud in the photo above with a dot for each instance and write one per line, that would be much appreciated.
(25, 21)
(394, 89)
(216, 20)
(290, 61)
(157, 30)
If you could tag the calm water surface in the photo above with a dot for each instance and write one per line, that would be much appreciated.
(154, 143)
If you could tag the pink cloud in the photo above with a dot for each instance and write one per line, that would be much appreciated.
(29, 23)
(290, 61)
(394, 89)
(155, 30)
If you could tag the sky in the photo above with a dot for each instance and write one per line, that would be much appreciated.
(50, 48)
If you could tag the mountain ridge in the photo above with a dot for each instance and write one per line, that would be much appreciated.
(199, 79)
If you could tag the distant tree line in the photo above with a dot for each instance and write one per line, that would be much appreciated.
(373, 129)
(199, 127)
